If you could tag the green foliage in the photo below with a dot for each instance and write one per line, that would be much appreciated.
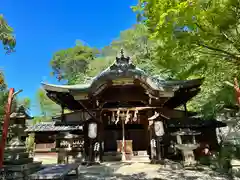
(207, 26)
(46, 106)
(6, 35)
(196, 39)
(174, 40)
(136, 43)
(30, 143)
(72, 64)
(3, 95)
(24, 102)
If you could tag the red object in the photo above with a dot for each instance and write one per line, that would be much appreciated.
(237, 90)
(6, 125)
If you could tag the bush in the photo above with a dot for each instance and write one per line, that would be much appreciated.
(30, 143)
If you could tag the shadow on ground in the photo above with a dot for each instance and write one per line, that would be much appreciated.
(127, 171)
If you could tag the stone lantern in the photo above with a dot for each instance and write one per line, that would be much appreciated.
(230, 134)
(17, 163)
(230, 115)
(187, 148)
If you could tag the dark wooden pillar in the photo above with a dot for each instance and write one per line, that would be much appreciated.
(159, 132)
(61, 154)
(101, 135)
(152, 143)
(91, 139)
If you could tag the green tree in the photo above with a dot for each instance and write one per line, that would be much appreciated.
(210, 27)
(25, 102)
(196, 39)
(3, 96)
(6, 35)
(71, 64)
(47, 107)
(134, 40)
(136, 44)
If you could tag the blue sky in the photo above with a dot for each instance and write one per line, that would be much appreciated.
(44, 27)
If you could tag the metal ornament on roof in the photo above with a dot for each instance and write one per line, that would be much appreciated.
(122, 62)
(122, 59)
(92, 130)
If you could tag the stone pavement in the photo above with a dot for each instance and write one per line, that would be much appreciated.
(126, 171)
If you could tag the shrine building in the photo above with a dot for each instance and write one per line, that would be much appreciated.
(126, 114)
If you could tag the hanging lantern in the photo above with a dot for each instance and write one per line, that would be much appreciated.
(158, 128)
(92, 130)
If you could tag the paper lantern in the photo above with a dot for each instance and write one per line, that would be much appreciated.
(158, 128)
(92, 130)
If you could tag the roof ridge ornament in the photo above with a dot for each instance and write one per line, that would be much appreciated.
(122, 60)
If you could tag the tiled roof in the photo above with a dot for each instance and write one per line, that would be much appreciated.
(21, 113)
(51, 126)
(193, 122)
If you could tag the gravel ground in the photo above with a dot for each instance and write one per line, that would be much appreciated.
(124, 171)
(127, 171)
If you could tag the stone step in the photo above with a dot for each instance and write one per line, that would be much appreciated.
(18, 161)
(21, 175)
(22, 167)
(140, 158)
(13, 175)
(9, 150)
(15, 156)
(140, 153)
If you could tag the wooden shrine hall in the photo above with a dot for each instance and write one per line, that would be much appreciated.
(125, 113)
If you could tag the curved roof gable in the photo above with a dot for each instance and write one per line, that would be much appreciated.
(123, 68)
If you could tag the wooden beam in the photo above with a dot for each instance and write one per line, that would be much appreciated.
(131, 109)
(86, 109)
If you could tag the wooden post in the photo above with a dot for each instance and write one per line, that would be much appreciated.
(62, 114)
(159, 152)
(159, 132)
(101, 139)
(185, 109)
(6, 125)
(90, 151)
(123, 141)
(237, 90)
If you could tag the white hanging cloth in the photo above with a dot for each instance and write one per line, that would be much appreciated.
(127, 117)
(118, 114)
(135, 116)
(113, 117)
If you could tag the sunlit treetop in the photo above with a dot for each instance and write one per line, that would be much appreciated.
(6, 35)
